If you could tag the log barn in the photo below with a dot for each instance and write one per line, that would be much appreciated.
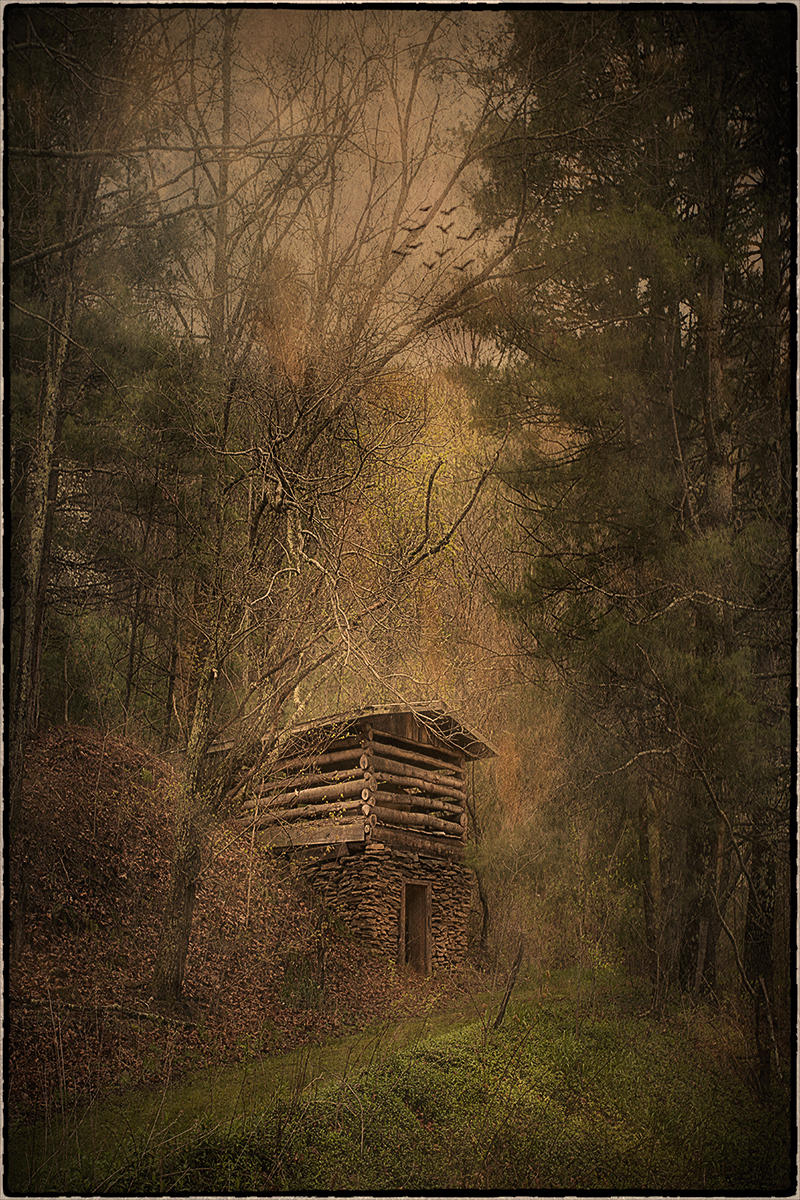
(373, 805)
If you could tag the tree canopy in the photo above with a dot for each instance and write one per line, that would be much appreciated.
(370, 353)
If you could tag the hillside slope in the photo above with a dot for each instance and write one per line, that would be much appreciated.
(267, 969)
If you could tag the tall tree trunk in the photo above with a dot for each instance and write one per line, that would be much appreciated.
(137, 623)
(129, 672)
(192, 820)
(483, 940)
(697, 876)
(172, 672)
(32, 550)
(757, 956)
(763, 875)
(41, 597)
(172, 669)
(219, 300)
(652, 894)
(477, 837)
(711, 925)
(758, 943)
(194, 805)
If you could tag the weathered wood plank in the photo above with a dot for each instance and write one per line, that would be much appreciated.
(450, 756)
(418, 759)
(306, 834)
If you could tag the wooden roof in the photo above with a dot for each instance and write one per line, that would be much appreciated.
(434, 715)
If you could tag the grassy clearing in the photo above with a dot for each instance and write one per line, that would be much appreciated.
(557, 1099)
(83, 1147)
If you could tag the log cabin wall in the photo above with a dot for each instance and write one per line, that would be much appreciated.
(318, 795)
(386, 778)
(417, 786)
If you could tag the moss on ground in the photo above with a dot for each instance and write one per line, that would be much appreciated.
(557, 1099)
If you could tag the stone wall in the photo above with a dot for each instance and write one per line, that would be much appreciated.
(367, 890)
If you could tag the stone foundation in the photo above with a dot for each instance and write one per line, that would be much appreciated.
(366, 888)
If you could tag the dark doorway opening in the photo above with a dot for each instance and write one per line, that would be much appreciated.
(416, 935)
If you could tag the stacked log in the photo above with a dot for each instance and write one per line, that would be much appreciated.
(430, 783)
(422, 788)
(408, 794)
(417, 820)
(338, 757)
(315, 833)
(421, 843)
(315, 798)
(309, 802)
(288, 783)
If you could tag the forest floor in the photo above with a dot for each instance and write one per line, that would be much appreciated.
(580, 1090)
(86, 1146)
(302, 1064)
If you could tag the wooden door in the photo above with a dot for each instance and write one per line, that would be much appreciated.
(416, 926)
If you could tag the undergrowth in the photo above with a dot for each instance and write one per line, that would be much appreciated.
(615, 1102)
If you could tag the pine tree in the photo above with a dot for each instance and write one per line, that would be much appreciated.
(657, 179)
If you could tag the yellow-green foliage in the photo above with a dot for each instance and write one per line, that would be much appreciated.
(620, 1102)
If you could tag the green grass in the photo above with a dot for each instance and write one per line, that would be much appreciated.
(84, 1148)
(557, 1099)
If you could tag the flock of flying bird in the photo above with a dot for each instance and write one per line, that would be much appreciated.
(408, 247)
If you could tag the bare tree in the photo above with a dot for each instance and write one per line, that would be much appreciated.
(306, 280)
